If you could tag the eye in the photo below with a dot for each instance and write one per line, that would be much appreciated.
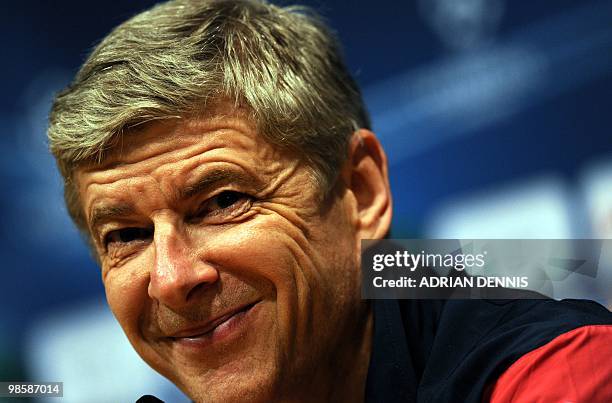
(127, 235)
(226, 205)
(227, 199)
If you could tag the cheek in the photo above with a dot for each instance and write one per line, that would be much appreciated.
(252, 249)
(259, 253)
(276, 259)
(126, 294)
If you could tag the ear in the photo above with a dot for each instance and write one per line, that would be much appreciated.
(367, 178)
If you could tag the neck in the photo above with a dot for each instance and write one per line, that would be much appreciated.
(350, 381)
(341, 377)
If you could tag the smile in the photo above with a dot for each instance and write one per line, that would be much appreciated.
(220, 329)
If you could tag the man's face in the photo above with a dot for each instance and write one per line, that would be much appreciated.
(225, 270)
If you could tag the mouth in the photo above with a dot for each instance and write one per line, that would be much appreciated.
(215, 330)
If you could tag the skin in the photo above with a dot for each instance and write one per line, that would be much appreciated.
(200, 218)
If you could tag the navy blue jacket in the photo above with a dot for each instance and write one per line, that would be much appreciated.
(451, 351)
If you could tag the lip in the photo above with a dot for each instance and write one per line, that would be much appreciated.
(214, 330)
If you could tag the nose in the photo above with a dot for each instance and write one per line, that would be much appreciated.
(177, 271)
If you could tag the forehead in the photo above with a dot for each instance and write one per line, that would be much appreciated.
(224, 127)
(172, 152)
(157, 136)
(178, 135)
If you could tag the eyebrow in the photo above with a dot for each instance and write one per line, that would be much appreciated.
(107, 213)
(211, 179)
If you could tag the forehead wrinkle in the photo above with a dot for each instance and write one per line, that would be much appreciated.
(139, 145)
(157, 153)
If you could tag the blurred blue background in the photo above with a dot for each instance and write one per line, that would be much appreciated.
(495, 115)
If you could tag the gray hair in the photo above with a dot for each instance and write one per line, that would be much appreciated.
(282, 64)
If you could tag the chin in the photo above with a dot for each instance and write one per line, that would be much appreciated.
(257, 385)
